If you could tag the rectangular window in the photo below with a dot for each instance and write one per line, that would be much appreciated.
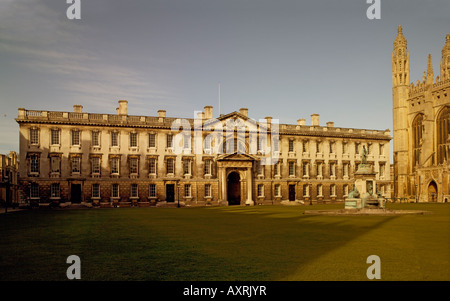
(95, 191)
(208, 190)
(333, 190)
(277, 190)
(345, 190)
(95, 138)
(306, 190)
(345, 169)
(187, 167)
(115, 162)
(276, 169)
(382, 168)
(318, 147)
(95, 165)
(187, 190)
(319, 169)
(114, 139)
(332, 169)
(34, 136)
(275, 143)
(76, 164)
(305, 146)
(306, 169)
(208, 163)
(381, 149)
(319, 190)
(34, 164)
(55, 163)
(133, 139)
(54, 137)
(34, 190)
(170, 166)
(133, 165)
(260, 190)
(152, 166)
(332, 147)
(344, 147)
(76, 137)
(186, 141)
(357, 148)
(152, 191)
(169, 140)
(134, 191)
(54, 190)
(115, 190)
(151, 140)
(292, 168)
(207, 143)
(291, 145)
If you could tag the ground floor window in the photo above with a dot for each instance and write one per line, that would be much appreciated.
(115, 190)
(95, 190)
(55, 190)
(152, 191)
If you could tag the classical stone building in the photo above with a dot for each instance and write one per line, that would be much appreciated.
(421, 114)
(109, 159)
(9, 179)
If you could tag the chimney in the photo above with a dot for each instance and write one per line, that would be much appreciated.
(301, 121)
(269, 120)
(315, 119)
(244, 111)
(161, 115)
(330, 124)
(78, 108)
(208, 112)
(122, 107)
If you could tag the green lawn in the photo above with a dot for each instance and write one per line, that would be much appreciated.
(260, 243)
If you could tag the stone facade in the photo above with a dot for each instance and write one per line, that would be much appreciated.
(119, 159)
(421, 114)
(9, 179)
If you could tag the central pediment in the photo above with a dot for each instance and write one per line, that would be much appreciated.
(236, 157)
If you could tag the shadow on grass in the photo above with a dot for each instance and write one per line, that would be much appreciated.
(189, 244)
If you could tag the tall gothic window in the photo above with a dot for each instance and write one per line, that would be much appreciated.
(443, 135)
(417, 129)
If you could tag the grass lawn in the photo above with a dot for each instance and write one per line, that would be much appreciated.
(260, 243)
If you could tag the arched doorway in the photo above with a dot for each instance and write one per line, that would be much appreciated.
(432, 192)
(234, 189)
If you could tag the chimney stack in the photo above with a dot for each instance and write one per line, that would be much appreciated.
(122, 107)
(301, 121)
(330, 124)
(244, 111)
(208, 112)
(315, 119)
(78, 108)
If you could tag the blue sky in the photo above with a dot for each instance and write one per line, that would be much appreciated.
(285, 59)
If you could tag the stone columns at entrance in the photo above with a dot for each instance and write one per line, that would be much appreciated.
(249, 188)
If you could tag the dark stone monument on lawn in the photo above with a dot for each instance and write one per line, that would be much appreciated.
(363, 194)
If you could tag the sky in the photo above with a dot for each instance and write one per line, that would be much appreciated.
(285, 59)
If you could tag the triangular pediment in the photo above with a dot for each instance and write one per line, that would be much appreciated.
(235, 119)
(236, 157)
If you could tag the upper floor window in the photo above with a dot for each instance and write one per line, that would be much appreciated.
(76, 165)
(291, 145)
(95, 138)
(95, 165)
(55, 164)
(291, 168)
(115, 163)
(170, 166)
(305, 146)
(54, 139)
(151, 140)
(152, 166)
(169, 140)
(34, 136)
(76, 137)
(34, 163)
(332, 147)
(133, 166)
(114, 139)
(133, 139)
(208, 163)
